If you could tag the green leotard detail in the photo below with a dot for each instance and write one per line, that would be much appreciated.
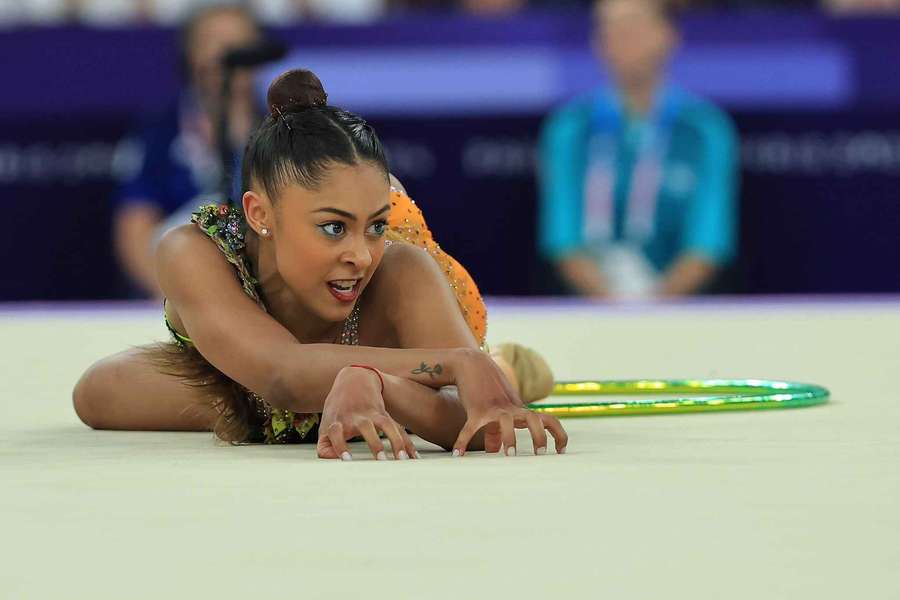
(181, 340)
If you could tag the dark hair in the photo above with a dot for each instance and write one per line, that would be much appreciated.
(669, 10)
(303, 135)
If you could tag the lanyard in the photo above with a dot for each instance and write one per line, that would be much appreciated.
(650, 140)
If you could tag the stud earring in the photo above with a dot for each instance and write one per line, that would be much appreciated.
(264, 232)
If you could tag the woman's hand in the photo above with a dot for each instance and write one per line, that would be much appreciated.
(355, 407)
(491, 404)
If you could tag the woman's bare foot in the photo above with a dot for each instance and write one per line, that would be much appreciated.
(526, 370)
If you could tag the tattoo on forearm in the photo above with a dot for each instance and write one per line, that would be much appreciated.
(432, 371)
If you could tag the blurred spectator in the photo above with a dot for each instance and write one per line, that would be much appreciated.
(179, 160)
(638, 181)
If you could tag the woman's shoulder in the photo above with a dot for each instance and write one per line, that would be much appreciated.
(404, 269)
(181, 241)
(403, 263)
(392, 285)
(187, 247)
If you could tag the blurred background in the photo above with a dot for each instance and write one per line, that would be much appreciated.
(492, 117)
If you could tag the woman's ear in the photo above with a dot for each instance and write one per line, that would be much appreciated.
(259, 213)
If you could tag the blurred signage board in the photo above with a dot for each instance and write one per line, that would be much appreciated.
(459, 104)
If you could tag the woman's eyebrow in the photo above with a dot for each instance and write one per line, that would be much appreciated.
(380, 211)
(351, 216)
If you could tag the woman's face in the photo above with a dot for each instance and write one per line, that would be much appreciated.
(633, 38)
(217, 32)
(330, 240)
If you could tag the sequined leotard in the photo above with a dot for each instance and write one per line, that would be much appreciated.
(226, 227)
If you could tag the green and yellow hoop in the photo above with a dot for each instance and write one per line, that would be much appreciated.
(715, 395)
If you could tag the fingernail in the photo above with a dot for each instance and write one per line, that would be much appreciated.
(511, 451)
(542, 450)
(455, 452)
(402, 455)
(562, 450)
(346, 456)
(381, 455)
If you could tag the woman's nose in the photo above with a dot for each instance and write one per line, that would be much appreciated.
(359, 255)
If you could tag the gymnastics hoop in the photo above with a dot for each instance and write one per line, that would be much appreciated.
(727, 394)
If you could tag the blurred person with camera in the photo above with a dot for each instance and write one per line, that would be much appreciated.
(178, 153)
(638, 180)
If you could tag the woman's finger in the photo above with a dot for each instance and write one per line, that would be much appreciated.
(493, 442)
(390, 429)
(508, 433)
(555, 428)
(336, 435)
(324, 449)
(367, 430)
(407, 443)
(465, 436)
(538, 435)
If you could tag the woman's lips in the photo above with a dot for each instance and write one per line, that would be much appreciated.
(345, 296)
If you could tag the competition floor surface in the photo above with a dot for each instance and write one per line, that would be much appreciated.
(792, 504)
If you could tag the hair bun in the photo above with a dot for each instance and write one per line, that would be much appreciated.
(294, 91)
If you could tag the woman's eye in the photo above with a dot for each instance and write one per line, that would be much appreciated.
(333, 229)
(378, 228)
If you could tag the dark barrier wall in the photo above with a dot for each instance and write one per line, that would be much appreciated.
(459, 104)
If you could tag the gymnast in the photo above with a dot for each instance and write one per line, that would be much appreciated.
(320, 309)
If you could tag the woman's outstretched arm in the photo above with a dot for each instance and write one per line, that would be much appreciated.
(433, 415)
(252, 348)
(424, 313)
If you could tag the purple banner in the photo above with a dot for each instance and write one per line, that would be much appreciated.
(743, 60)
(459, 104)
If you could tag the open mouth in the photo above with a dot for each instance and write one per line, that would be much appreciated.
(345, 290)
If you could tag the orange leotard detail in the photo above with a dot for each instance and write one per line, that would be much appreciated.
(407, 224)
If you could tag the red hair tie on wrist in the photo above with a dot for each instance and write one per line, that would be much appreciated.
(374, 370)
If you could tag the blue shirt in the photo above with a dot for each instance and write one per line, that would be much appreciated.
(666, 183)
(173, 163)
